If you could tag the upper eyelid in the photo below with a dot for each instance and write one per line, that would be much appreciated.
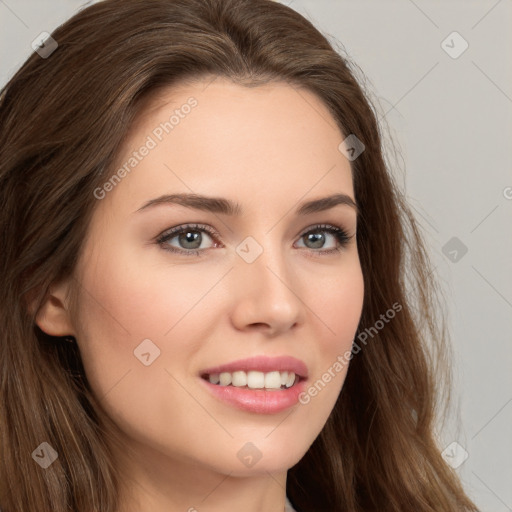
(178, 229)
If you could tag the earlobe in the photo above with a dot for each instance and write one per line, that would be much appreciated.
(54, 317)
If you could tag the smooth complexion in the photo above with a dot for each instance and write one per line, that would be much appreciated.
(269, 148)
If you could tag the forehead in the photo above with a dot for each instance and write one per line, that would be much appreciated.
(214, 136)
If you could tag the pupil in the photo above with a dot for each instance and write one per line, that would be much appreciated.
(190, 237)
(319, 239)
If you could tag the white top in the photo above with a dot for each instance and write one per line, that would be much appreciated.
(288, 506)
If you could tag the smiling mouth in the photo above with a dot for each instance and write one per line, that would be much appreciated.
(254, 380)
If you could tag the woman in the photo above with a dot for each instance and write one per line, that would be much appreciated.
(280, 359)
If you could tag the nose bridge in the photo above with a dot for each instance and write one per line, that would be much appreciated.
(265, 259)
(265, 292)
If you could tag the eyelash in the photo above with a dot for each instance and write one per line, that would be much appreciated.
(340, 234)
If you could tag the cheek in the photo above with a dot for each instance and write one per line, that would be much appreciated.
(337, 304)
(132, 313)
(126, 299)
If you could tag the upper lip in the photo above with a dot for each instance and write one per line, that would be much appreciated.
(262, 364)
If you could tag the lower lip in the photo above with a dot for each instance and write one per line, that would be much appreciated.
(261, 401)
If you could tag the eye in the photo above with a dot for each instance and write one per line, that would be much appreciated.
(316, 238)
(188, 236)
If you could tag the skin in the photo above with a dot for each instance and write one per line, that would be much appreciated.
(269, 148)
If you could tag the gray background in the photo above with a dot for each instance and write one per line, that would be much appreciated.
(450, 119)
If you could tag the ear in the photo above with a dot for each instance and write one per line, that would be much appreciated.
(54, 317)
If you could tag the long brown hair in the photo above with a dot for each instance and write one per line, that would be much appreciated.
(63, 119)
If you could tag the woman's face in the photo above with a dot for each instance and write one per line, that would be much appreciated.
(156, 311)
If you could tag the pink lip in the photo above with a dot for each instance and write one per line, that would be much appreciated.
(260, 401)
(262, 364)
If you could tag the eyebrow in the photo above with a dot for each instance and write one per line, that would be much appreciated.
(227, 207)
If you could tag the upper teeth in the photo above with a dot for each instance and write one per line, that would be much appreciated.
(253, 379)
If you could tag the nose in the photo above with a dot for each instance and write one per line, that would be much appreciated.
(264, 296)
